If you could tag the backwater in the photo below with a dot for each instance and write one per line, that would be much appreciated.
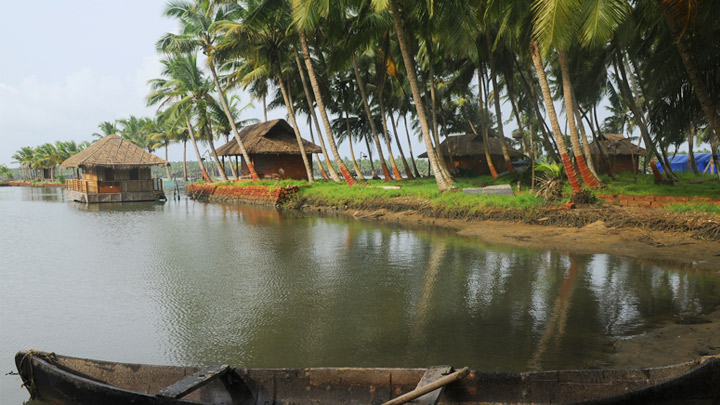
(195, 283)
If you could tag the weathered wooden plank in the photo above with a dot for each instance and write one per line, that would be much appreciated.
(432, 374)
(193, 382)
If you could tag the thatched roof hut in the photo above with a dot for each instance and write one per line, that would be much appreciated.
(621, 153)
(113, 151)
(113, 170)
(468, 153)
(472, 145)
(617, 144)
(273, 150)
(267, 138)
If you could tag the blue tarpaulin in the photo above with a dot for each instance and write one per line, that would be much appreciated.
(681, 163)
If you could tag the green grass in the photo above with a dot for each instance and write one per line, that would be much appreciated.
(339, 194)
(686, 187)
(694, 207)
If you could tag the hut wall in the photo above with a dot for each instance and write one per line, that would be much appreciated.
(620, 163)
(267, 166)
(478, 164)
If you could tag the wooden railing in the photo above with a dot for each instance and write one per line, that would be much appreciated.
(124, 186)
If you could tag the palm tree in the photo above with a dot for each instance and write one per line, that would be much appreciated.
(106, 128)
(304, 14)
(25, 157)
(176, 92)
(443, 180)
(198, 33)
(6, 173)
(261, 39)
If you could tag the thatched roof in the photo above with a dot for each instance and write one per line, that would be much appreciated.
(617, 144)
(115, 152)
(472, 145)
(267, 138)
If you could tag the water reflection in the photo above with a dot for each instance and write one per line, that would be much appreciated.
(292, 291)
(43, 193)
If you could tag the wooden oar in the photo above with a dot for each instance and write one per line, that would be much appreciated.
(420, 391)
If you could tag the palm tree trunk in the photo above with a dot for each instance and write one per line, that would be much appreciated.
(714, 152)
(442, 163)
(498, 111)
(412, 154)
(559, 141)
(373, 128)
(698, 84)
(231, 120)
(358, 172)
(185, 176)
(349, 179)
(315, 121)
(220, 167)
(408, 173)
(691, 152)
(584, 138)
(396, 172)
(627, 96)
(483, 96)
(197, 151)
(587, 177)
(291, 114)
(443, 180)
(548, 141)
(167, 168)
(373, 172)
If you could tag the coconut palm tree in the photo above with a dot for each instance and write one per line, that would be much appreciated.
(177, 93)
(197, 19)
(444, 181)
(106, 128)
(306, 18)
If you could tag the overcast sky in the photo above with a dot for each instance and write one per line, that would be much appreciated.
(66, 66)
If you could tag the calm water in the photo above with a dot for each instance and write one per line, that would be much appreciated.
(193, 283)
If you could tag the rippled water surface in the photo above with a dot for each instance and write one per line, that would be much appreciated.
(193, 283)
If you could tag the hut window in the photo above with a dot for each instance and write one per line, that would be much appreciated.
(134, 174)
(109, 174)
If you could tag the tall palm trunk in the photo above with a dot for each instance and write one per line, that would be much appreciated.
(443, 180)
(291, 114)
(433, 113)
(408, 173)
(197, 151)
(349, 179)
(498, 111)
(220, 167)
(317, 155)
(185, 176)
(585, 173)
(386, 132)
(358, 172)
(548, 141)
(167, 168)
(691, 152)
(627, 96)
(412, 155)
(584, 139)
(483, 96)
(308, 97)
(373, 128)
(559, 141)
(709, 107)
(231, 120)
(373, 172)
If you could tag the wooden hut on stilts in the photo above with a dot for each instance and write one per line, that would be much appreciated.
(113, 169)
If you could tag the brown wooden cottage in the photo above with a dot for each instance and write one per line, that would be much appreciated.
(273, 149)
(622, 154)
(468, 154)
(113, 169)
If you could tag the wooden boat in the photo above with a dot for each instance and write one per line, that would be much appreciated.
(68, 380)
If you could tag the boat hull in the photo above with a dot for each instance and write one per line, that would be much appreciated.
(67, 380)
